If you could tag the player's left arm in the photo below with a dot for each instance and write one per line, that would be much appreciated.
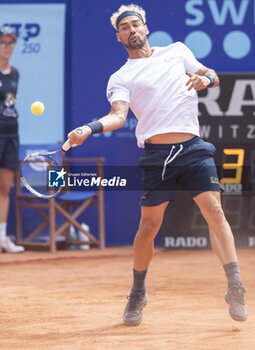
(203, 78)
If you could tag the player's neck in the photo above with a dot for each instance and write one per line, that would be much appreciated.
(5, 67)
(144, 52)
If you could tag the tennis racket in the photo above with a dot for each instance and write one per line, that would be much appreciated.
(35, 170)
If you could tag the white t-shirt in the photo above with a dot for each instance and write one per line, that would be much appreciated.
(155, 88)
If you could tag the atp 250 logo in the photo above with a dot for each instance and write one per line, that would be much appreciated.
(28, 32)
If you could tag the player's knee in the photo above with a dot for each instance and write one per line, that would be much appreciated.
(215, 213)
(148, 229)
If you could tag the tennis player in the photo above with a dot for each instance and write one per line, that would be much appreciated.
(159, 84)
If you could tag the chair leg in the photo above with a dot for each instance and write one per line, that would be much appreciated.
(52, 225)
(18, 222)
(101, 222)
(66, 233)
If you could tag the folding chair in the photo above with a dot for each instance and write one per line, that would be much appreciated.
(49, 209)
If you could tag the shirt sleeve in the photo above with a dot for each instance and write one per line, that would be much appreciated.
(191, 64)
(117, 90)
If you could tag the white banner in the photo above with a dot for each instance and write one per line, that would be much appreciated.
(39, 58)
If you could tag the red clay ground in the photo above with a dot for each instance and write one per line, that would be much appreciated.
(75, 300)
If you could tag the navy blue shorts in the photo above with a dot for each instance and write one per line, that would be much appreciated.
(9, 151)
(185, 166)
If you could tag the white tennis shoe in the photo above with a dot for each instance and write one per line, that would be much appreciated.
(133, 313)
(238, 308)
(7, 246)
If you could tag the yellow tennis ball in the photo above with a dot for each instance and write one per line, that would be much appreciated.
(37, 108)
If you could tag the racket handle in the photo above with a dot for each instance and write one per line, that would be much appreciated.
(66, 146)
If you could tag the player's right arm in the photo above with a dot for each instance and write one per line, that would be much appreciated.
(114, 120)
(117, 116)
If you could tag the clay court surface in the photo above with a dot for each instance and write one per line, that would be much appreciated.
(74, 300)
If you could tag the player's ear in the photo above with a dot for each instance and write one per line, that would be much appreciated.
(118, 37)
(146, 30)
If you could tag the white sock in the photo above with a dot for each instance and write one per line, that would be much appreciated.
(3, 226)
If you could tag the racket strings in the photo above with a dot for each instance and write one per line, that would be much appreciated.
(35, 171)
(40, 163)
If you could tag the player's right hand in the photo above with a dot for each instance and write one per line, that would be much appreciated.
(79, 135)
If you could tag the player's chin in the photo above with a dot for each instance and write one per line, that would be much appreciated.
(135, 45)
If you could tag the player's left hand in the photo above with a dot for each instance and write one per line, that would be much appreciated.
(197, 82)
